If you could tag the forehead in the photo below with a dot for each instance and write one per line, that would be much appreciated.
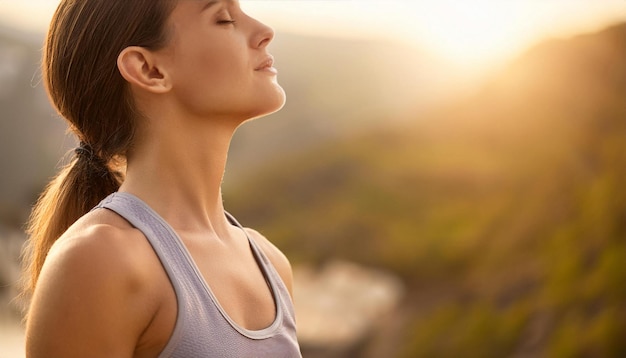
(205, 4)
(187, 15)
(197, 7)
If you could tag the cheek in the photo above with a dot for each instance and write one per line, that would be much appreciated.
(214, 68)
(210, 79)
(199, 70)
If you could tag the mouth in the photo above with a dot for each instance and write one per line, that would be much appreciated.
(267, 65)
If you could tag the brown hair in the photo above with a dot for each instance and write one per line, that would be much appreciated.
(83, 82)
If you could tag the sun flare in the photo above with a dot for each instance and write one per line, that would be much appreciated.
(463, 33)
(468, 34)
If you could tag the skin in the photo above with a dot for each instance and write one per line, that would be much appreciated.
(102, 291)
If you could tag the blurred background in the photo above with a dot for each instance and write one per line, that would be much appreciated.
(445, 176)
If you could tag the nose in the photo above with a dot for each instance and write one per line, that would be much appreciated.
(263, 35)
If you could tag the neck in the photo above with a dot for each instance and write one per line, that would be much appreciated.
(177, 170)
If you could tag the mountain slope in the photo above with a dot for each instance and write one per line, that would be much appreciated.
(504, 213)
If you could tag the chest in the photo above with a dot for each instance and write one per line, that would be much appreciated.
(235, 282)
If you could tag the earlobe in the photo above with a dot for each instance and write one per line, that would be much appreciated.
(137, 66)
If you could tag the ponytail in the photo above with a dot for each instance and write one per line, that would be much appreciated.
(83, 82)
(78, 187)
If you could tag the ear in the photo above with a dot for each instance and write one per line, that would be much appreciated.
(138, 66)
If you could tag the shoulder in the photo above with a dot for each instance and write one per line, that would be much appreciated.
(101, 243)
(93, 287)
(276, 257)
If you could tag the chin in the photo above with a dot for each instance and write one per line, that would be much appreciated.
(270, 105)
(280, 101)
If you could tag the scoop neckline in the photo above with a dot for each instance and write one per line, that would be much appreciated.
(262, 333)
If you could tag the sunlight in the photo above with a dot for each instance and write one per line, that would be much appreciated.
(31, 14)
(468, 33)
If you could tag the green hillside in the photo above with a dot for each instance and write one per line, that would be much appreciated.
(504, 213)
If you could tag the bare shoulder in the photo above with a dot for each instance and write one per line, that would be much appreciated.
(278, 259)
(104, 244)
(94, 287)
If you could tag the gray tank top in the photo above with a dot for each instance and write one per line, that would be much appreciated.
(203, 329)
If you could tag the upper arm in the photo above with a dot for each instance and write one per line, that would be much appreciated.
(87, 302)
(276, 257)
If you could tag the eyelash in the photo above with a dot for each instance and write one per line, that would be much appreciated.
(226, 22)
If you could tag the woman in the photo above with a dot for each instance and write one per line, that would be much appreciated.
(155, 89)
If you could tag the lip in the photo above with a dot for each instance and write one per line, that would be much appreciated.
(267, 65)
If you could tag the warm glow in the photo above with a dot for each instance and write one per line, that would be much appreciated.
(468, 34)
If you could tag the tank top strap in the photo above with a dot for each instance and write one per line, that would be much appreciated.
(274, 279)
(167, 247)
(202, 326)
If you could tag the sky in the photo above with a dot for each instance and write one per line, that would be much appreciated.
(464, 32)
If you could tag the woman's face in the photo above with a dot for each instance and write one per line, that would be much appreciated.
(218, 62)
